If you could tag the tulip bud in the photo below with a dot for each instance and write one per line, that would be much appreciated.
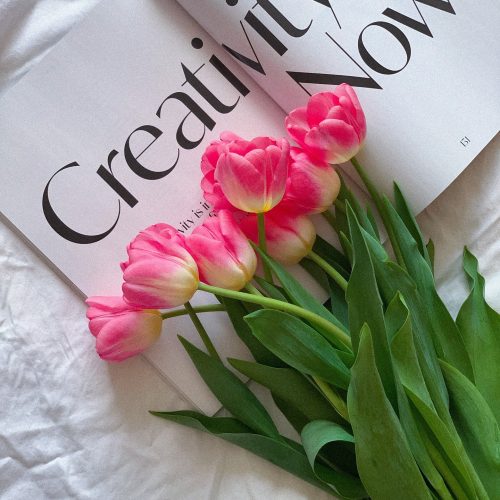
(289, 237)
(332, 127)
(160, 273)
(312, 185)
(121, 331)
(250, 174)
(224, 256)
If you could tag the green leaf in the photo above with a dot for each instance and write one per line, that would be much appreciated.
(317, 274)
(480, 327)
(337, 302)
(431, 252)
(234, 395)
(282, 452)
(446, 336)
(403, 350)
(298, 294)
(347, 196)
(291, 387)
(385, 463)
(411, 224)
(271, 290)
(477, 427)
(393, 279)
(299, 345)
(346, 245)
(335, 258)
(315, 436)
(373, 222)
(365, 306)
(450, 445)
(236, 312)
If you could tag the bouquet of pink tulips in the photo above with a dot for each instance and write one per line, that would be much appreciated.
(392, 397)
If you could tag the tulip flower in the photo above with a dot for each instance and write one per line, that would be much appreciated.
(211, 188)
(121, 331)
(250, 174)
(289, 237)
(160, 273)
(312, 185)
(332, 127)
(224, 256)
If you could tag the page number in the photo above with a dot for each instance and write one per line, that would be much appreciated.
(465, 141)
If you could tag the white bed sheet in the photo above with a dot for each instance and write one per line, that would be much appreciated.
(72, 426)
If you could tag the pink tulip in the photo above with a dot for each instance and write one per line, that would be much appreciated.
(251, 175)
(289, 237)
(312, 185)
(160, 273)
(211, 188)
(224, 256)
(332, 127)
(121, 331)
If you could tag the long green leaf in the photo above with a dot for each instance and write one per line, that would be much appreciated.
(291, 387)
(477, 427)
(281, 452)
(398, 323)
(365, 306)
(480, 326)
(410, 222)
(236, 312)
(393, 279)
(447, 337)
(385, 463)
(315, 436)
(348, 198)
(452, 448)
(404, 353)
(299, 345)
(234, 395)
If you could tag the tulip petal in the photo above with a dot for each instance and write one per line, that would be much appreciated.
(241, 182)
(335, 140)
(296, 124)
(318, 107)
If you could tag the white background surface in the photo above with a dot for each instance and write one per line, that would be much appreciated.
(72, 426)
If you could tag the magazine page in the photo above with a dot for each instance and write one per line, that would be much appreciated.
(426, 72)
(104, 138)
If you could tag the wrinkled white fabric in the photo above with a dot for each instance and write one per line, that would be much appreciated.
(72, 426)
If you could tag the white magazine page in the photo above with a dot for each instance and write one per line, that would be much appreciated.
(426, 72)
(135, 85)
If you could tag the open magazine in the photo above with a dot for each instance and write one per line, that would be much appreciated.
(105, 135)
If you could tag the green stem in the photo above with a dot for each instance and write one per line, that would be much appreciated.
(198, 309)
(331, 331)
(261, 225)
(334, 399)
(380, 208)
(202, 332)
(330, 270)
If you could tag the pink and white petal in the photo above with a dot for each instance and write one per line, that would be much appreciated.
(296, 124)
(241, 182)
(318, 107)
(337, 138)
